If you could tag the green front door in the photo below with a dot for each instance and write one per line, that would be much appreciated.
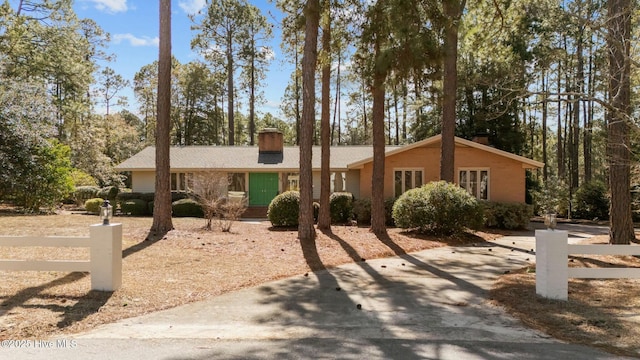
(263, 187)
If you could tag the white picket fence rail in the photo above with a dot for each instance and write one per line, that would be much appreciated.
(105, 255)
(553, 271)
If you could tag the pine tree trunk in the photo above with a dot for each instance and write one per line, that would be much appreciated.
(230, 115)
(618, 146)
(306, 231)
(575, 149)
(162, 203)
(252, 102)
(452, 11)
(545, 171)
(378, 221)
(324, 216)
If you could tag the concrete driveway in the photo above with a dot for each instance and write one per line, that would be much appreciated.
(426, 305)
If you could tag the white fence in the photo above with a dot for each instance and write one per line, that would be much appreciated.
(105, 259)
(553, 272)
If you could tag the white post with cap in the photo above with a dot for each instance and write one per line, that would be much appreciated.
(552, 273)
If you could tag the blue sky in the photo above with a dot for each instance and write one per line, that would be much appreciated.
(133, 25)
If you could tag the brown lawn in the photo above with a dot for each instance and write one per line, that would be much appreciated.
(599, 312)
(186, 265)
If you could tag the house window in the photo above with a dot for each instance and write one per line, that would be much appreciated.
(406, 179)
(293, 181)
(237, 182)
(180, 181)
(475, 181)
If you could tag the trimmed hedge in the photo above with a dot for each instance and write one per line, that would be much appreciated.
(362, 211)
(84, 193)
(510, 216)
(149, 196)
(135, 207)
(341, 207)
(109, 192)
(93, 205)
(438, 207)
(124, 196)
(186, 208)
(284, 209)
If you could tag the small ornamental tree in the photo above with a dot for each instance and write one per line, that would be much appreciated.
(210, 190)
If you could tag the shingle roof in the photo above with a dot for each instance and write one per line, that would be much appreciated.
(247, 158)
(244, 158)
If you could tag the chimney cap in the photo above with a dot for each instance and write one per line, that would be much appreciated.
(270, 130)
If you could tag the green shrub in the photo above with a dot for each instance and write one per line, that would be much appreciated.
(438, 207)
(93, 205)
(134, 207)
(81, 178)
(388, 211)
(341, 207)
(109, 192)
(362, 211)
(84, 193)
(316, 211)
(508, 216)
(46, 180)
(179, 195)
(284, 209)
(124, 196)
(591, 202)
(186, 208)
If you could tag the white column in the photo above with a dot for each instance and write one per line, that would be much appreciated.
(552, 274)
(106, 257)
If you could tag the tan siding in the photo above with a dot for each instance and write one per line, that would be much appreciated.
(316, 185)
(353, 182)
(143, 181)
(507, 177)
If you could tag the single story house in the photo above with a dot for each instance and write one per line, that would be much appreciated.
(271, 168)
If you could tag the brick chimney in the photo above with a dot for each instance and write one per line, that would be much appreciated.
(481, 138)
(270, 141)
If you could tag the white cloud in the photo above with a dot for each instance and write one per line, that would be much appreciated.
(192, 6)
(135, 41)
(268, 53)
(112, 6)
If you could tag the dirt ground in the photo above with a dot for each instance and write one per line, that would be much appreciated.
(189, 264)
(186, 265)
(604, 313)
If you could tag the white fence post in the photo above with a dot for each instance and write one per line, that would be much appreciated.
(106, 257)
(552, 273)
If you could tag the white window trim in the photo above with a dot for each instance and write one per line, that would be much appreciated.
(179, 183)
(246, 179)
(467, 169)
(404, 187)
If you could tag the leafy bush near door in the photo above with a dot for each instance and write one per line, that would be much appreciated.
(284, 209)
